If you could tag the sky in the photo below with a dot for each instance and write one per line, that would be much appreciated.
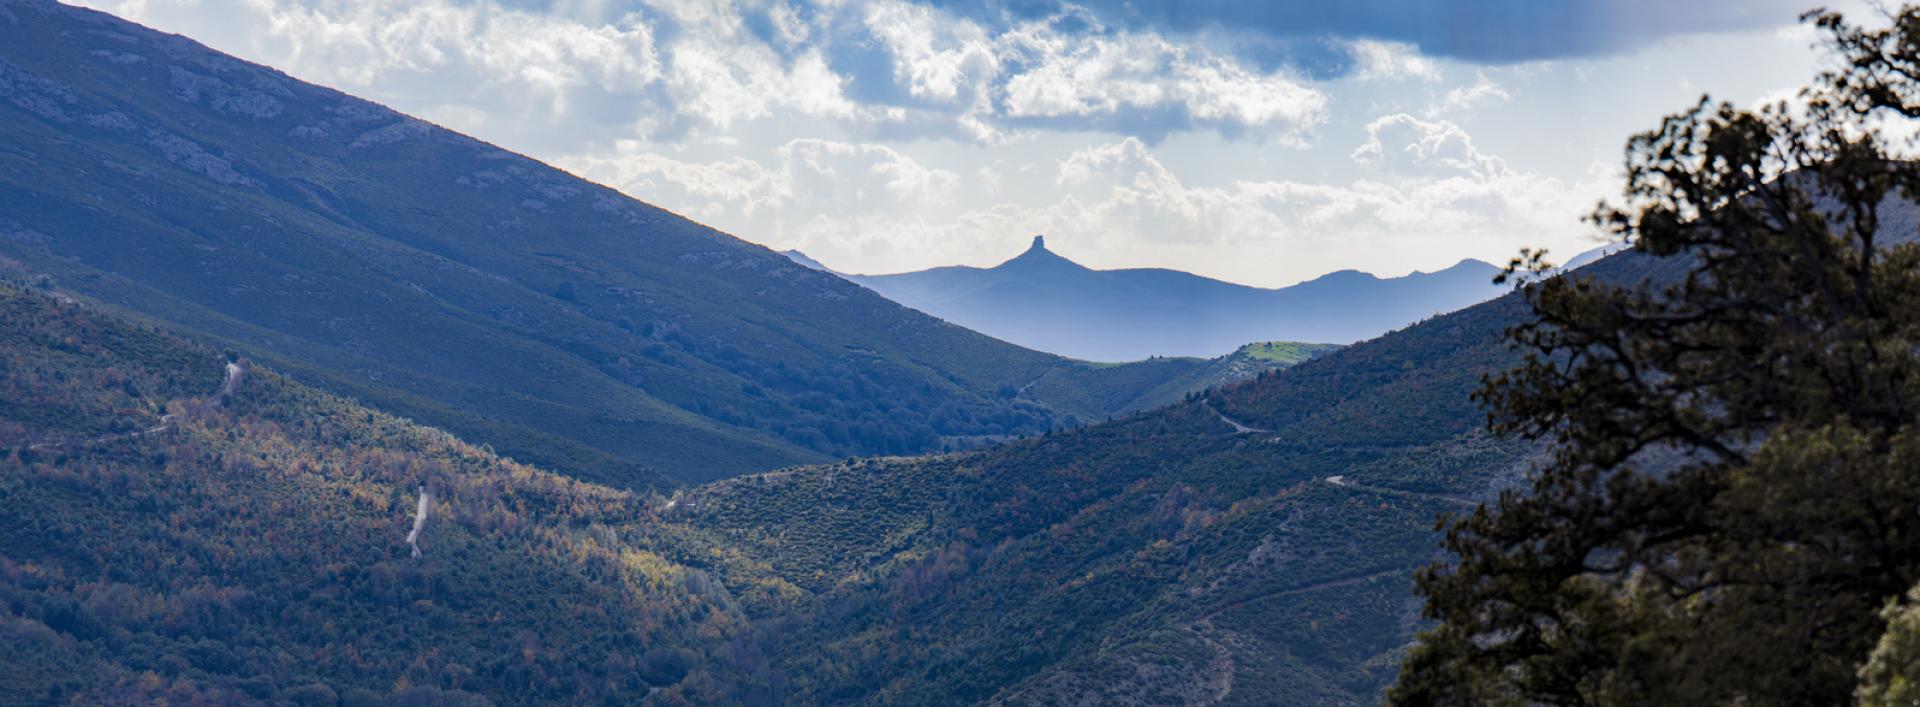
(1263, 142)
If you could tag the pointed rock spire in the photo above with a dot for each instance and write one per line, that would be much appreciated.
(1037, 256)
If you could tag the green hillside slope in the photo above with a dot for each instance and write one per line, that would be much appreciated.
(159, 545)
(176, 531)
(440, 277)
(1252, 546)
(1249, 546)
(1285, 352)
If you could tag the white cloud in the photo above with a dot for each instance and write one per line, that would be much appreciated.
(1439, 199)
(1123, 188)
(824, 172)
(934, 56)
(592, 72)
(720, 82)
(1432, 199)
(1094, 75)
(1391, 61)
(1403, 145)
(894, 134)
(1035, 74)
(1483, 92)
(360, 44)
(801, 175)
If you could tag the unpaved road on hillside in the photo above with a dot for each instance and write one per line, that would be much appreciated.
(1346, 483)
(1318, 586)
(1238, 427)
(236, 370)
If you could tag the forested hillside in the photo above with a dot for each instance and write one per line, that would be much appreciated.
(433, 275)
(1248, 546)
(256, 549)
(1253, 545)
(180, 529)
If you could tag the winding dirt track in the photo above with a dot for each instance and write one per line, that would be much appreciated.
(236, 370)
(1329, 584)
(1342, 482)
(1238, 427)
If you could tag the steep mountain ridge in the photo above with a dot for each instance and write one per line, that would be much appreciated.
(437, 276)
(1048, 302)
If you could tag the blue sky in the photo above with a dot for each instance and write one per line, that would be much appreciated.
(1258, 142)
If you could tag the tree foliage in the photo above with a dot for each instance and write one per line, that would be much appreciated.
(1730, 497)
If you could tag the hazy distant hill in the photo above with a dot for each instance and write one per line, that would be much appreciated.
(439, 277)
(1044, 301)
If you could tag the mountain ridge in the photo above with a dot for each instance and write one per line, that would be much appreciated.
(1046, 301)
(434, 275)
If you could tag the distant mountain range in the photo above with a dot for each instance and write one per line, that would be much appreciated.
(1044, 301)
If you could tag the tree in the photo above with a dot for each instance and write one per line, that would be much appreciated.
(1733, 491)
(1891, 676)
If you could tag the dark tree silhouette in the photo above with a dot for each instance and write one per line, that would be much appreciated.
(1734, 489)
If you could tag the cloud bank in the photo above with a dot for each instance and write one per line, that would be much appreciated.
(1420, 183)
(1265, 142)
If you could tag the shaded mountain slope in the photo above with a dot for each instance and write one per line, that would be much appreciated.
(1253, 545)
(440, 277)
(182, 532)
(1156, 382)
(1168, 557)
(1050, 303)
